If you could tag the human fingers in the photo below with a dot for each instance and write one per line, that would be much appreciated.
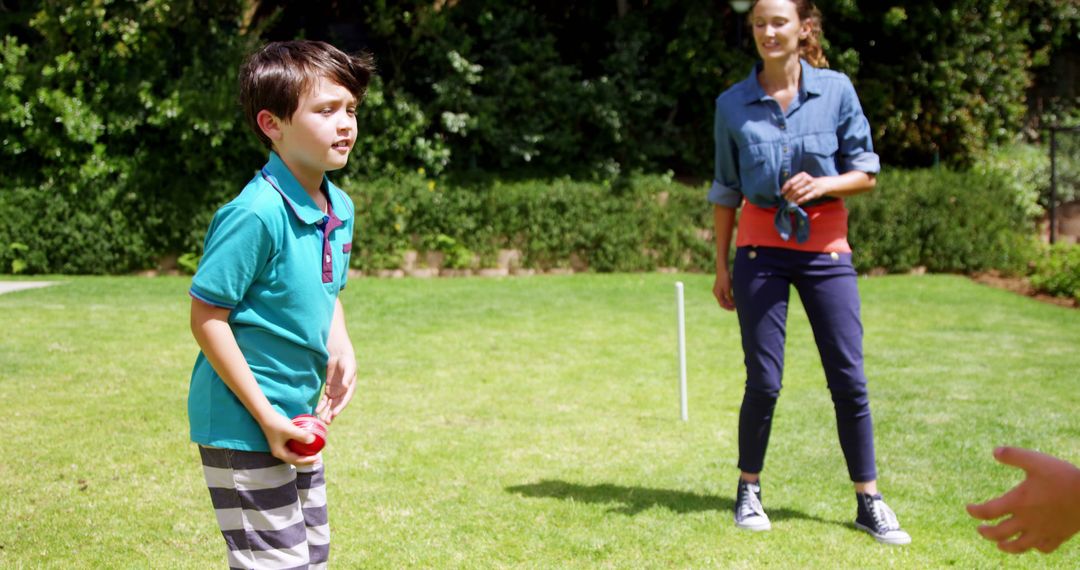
(333, 371)
(323, 409)
(282, 452)
(728, 301)
(1025, 459)
(1023, 543)
(722, 293)
(996, 507)
(1001, 531)
(791, 185)
(340, 402)
(279, 446)
(807, 189)
(723, 297)
(303, 460)
(1049, 544)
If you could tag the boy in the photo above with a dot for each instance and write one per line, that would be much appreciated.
(265, 310)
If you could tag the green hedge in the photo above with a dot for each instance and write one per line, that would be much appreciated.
(649, 223)
(943, 220)
(1057, 271)
(87, 234)
(940, 219)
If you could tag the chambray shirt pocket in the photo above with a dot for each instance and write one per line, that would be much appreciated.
(819, 154)
(753, 158)
(758, 168)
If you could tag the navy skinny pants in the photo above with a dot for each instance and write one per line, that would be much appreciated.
(827, 284)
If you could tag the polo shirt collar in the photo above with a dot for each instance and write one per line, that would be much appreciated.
(809, 83)
(299, 200)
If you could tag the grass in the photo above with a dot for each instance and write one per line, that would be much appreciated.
(533, 422)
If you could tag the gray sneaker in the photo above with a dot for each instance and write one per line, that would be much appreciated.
(876, 518)
(749, 513)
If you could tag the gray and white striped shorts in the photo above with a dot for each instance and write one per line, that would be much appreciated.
(272, 514)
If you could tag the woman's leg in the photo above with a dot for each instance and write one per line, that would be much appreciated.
(828, 287)
(761, 286)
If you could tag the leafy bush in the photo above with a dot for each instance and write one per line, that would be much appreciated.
(85, 233)
(512, 85)
(1057, 271)
(649, 222)
(398, 137)
(1067, 166)
(560, 88)
(120, 131)
(944, 79)
(1025, 170)
(940, 219)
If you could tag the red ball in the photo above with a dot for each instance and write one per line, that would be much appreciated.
(313, 425)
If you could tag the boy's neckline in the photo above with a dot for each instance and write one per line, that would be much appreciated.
(284, 179)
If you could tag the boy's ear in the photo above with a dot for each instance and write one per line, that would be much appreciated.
(269, 124)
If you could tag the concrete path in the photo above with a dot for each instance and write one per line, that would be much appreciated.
(10, 286)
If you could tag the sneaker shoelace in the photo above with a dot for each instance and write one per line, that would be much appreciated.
(884, 516)
(751, 506)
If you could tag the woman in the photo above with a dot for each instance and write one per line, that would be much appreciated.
(791, 141)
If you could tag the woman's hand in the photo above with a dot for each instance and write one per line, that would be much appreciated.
(722, 290)
(802, 188)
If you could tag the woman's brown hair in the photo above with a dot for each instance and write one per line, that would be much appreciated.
(810, 47)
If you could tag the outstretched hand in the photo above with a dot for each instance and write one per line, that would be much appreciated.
(1043, 511)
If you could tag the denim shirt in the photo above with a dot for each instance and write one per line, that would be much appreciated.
(759, 146)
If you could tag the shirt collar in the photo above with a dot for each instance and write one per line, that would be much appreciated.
(809, 83)
(300, 202)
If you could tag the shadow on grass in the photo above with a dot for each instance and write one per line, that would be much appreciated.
(633, 500)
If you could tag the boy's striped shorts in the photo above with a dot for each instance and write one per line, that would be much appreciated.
(272, 514)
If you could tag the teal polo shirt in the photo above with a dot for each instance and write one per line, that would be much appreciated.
(277, 263)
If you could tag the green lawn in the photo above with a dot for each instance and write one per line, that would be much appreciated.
(534, 422)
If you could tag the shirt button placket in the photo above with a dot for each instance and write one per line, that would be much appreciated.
(787, 158)
(781, 123)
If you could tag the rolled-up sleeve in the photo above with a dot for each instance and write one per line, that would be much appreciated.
(725, 190)
(856, 147)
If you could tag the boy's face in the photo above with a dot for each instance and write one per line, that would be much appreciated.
(320, 134)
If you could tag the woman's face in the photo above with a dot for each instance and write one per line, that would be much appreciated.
(777, 29)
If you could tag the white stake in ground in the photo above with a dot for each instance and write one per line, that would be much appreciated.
(682, 350)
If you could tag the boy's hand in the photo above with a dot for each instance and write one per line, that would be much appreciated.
(1043, 511)
(278, 431)
(340, 384)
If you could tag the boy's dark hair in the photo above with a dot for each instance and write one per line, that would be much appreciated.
(275, 77)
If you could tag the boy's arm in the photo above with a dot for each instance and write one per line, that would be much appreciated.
(210, 326)
(340, 369)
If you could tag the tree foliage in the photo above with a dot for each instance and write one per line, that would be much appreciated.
(946, 79)
(119, 128)
(120, 132)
